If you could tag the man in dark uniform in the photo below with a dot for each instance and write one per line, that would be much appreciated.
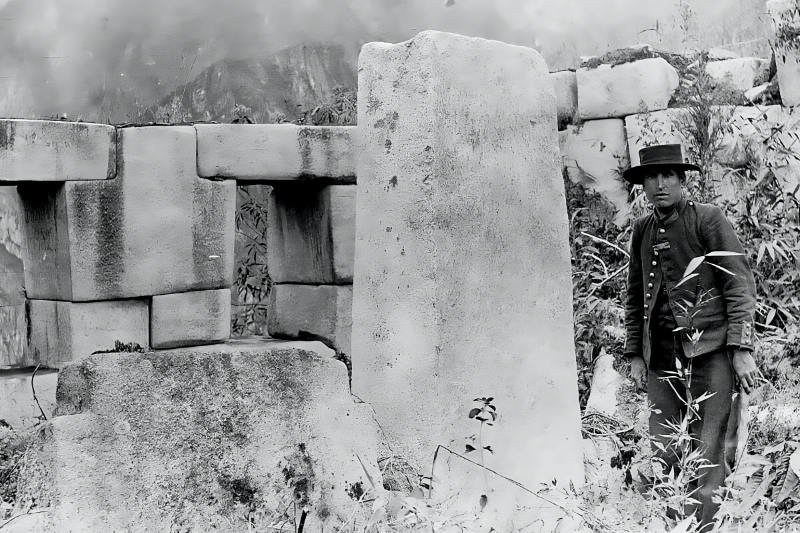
(661, 313)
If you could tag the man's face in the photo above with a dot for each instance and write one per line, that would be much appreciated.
(663, 188)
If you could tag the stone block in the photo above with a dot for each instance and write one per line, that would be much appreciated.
(18, 407)
(43, 150)
(64, 331)
(322, 312)
(311, 234)
(742, 73)
(196, 438)
(155, 229)
(11, 221)
(616, 91)
(595, 154)
(275, 152)
(13, 335)
(462, 286)
(12, 278)
(190, 318)
(785, 25)
(566, 87)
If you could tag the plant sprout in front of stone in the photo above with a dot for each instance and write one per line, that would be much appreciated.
(485, 412)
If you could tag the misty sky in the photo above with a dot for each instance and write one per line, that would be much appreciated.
(58, 55)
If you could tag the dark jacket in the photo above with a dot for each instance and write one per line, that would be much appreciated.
(659, 254)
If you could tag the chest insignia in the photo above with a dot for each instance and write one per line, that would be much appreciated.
(661, 247)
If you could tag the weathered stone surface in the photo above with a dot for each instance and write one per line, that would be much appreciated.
(491, 503)
(462, 284)
(198, 438)
(566, 87)
(275, 152)
(155, 229)
(12, 335)
(321, 312)
(616, 91)
(43, 150)
(595, 154)
(742, 73)
(311, 234)
(18, 407)
(785, 25)
(190, 318)
(10, 221)
(65, 331)
(12, 280)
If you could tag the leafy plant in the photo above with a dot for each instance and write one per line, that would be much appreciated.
(251, 282)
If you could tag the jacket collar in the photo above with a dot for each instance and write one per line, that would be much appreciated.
(674, 214)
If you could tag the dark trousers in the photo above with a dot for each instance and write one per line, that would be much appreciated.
(711, 372)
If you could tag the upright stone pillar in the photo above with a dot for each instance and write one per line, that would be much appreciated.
(462, 273)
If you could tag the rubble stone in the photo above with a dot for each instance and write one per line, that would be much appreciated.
(275, 152)
(462, 287)
(742, 73)
(616, 91)
(43, 150)
(190, 318)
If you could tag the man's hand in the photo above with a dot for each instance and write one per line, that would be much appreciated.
(639, 372)
(745, 368)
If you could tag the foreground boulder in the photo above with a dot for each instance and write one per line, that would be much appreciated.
(223, 437)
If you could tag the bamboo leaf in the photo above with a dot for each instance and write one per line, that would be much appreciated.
(722, 253)
(692, 266)
(722, 268)
(685, 277)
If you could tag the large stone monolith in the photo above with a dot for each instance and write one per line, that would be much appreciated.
(462, 273)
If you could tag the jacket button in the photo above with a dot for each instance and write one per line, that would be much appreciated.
(652, 275)
(649, 285)
(654, 263)
(691, 203)
(662, 230)
(645, 306)
(648, 295)
(645, 317)
(655, 253)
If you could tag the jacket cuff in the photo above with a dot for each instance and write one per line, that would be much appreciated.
(741, 335)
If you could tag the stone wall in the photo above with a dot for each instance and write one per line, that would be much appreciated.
(462, 289)
(616, 104)
(127, 236)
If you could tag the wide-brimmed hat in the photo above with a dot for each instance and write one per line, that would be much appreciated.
(655, 158)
